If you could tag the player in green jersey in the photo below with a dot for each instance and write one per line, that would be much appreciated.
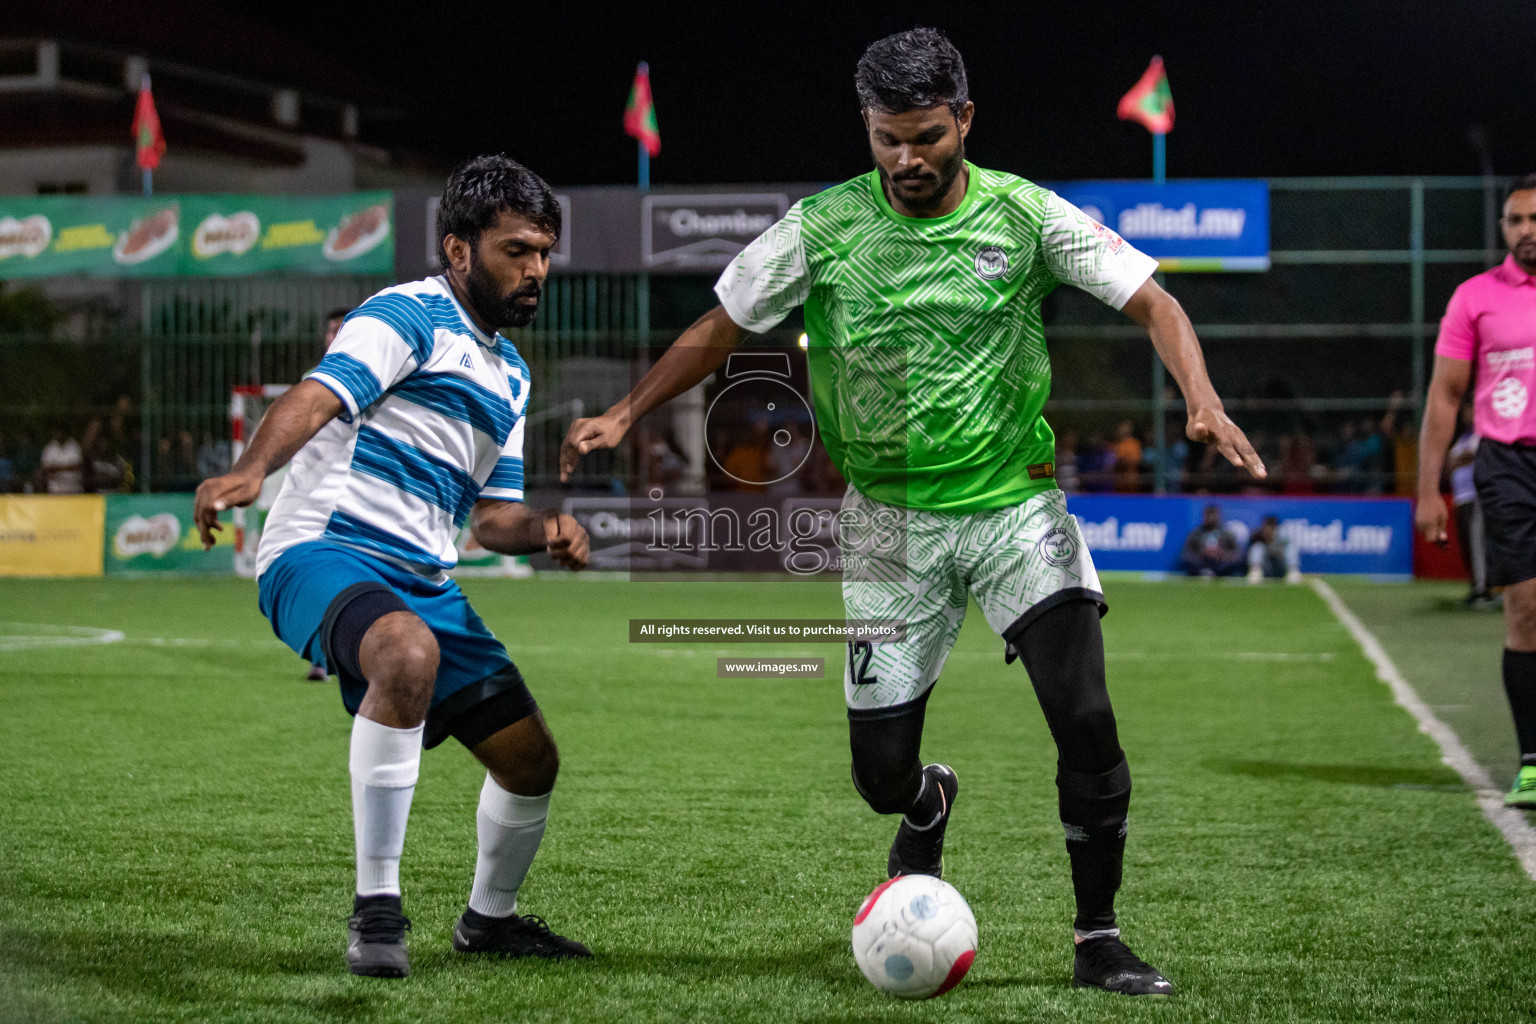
(921, 283)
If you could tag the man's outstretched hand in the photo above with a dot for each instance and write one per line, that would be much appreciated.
(1212, 426)
(566, 540)
(1430, 517)
(214, 495)
(588, 435)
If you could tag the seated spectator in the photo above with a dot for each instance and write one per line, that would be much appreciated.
(59, 469)
(1127, 458)
(7, 468)
(1066, 462)
(1271, 555)
(1095, 465)
(1211, 549)
(1298, 460)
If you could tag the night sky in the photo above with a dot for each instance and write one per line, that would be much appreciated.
(764, 92)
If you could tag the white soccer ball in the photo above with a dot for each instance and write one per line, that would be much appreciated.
(914, 936)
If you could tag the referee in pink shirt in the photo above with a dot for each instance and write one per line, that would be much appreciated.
(1488, 342)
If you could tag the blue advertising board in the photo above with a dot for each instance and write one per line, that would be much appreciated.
(1145, 533)
(1185, 225)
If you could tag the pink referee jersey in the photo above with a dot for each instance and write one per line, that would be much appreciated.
(1491, 322)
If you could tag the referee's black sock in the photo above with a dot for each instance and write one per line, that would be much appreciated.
(1093, 814)
(1520, 687)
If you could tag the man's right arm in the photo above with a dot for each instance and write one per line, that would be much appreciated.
(697, 353)
(293, 419)
(1447, 387)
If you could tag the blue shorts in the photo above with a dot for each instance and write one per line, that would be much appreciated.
(478, 691)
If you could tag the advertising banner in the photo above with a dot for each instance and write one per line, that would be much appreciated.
(51, 534)
(155, 533)
(704, 231)
(1333, 535)
(1185, 225)
(196, 235)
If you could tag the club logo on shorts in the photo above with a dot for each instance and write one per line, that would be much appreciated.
(991, 262)
(1058, 547)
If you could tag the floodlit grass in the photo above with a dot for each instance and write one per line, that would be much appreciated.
(175, 842)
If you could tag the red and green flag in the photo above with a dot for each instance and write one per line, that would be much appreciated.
(640, 112)
(147, 137)
(1149, 101)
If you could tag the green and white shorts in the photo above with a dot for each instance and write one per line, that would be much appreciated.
(918, 567)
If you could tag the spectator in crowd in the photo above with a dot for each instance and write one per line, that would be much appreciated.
(1361, 463)
(1298, 463)
(1096, 465)
(333, 321)
(1469, 514)
(1271, 555)
(1066, 462)
(664, 464)
(747, 463)
(1126, 451)
(60, 467)
(1211, 549)
(7, 468)
(212, 457)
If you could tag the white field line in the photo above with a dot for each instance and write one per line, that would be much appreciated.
(1510, 822)
(27, 636)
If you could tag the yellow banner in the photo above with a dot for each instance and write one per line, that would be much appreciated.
(51, 535)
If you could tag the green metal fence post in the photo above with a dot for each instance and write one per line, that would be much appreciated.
(146, 444)
(1416, 286)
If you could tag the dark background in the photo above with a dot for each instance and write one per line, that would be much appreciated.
(764, 92)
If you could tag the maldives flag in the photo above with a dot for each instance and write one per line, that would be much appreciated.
(1149, 100)
(146, 129)
(640, 112)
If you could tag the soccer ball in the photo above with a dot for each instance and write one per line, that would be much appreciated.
(914, 936)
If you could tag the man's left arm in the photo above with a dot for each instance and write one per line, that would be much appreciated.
(1174, 338)
(512, 528)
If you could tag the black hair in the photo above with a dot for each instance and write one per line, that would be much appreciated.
(912, 70)
(339, 313)
(481, 188)
(1523, 183)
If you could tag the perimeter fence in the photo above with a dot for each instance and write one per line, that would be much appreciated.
(1323, 358)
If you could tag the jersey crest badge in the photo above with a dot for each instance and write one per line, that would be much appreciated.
(991, 262)
(464, 360)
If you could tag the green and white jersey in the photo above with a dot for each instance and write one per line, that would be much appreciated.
(927, 357)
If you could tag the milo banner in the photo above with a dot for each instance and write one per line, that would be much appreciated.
(196, 235)
(155, 533)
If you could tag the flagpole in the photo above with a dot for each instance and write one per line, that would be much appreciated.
(645, 167)
(1159, 157)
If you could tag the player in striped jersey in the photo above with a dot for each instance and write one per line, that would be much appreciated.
(410, 426)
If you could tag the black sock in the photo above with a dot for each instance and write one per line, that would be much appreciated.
(360, 903)
(1093, 814)
(928, 805)
(475, 919)
(1520, 687)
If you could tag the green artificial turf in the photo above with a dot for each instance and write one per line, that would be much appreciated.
(175, 842)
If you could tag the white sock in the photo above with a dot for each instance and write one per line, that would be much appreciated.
(385, 763)
(510, 827)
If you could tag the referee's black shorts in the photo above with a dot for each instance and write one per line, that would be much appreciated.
(1505, 475)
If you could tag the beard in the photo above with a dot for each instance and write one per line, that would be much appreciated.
(1525, 254)
(494, 308)
(943, 178)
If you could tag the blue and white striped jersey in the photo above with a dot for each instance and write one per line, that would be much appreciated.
(433, 422)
